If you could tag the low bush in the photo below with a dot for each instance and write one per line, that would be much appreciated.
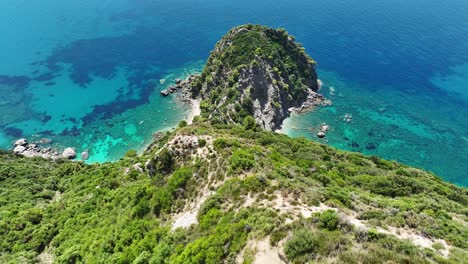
(329, 219)
(303, 243)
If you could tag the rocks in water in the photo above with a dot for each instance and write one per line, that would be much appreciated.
(371, 146)
(313, 100)
(326, 103)
(180, 85)
(26, 149)
(19, 149)
(69, 153)
(21, 142)
(348, 118)
(324, 128)
(382, 109)
(85, 155)
(173, 89)
(45, 141)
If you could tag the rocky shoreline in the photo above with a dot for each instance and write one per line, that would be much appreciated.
(43, 149)
(313, 100)
(181, 88)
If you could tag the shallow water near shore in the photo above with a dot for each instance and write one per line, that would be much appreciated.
(389, 123)
(87, 73)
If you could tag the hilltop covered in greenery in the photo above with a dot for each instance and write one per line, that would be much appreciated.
(228, 191)
(255, 71)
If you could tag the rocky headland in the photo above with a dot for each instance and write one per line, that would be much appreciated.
(253, 71)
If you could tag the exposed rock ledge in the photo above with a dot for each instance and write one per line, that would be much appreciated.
(37, 149)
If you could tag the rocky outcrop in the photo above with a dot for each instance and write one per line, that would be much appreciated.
(181, 86)
(19, 149)
(41, 149)
(69, 153)
(260, 72)
(21, 142)
(150, 167)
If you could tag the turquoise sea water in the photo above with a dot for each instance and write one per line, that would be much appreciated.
(87, 73)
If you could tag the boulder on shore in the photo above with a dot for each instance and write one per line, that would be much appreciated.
(164, 92)
(21, 142)
(19, 149)
(69, 153)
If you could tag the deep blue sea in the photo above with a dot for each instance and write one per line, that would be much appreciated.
(87, 73)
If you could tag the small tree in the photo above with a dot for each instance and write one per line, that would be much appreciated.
(183, 123)
(164, 162)
(250, 123)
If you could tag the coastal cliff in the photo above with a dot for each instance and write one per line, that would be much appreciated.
(225, 189)
(256, 71)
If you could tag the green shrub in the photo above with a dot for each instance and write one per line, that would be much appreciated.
(131, 153)
(250, 123)
(164, 161)
(303, 242)
(201, 142)
(254, 184)
(223, 143)
(329, 219)
(182, 123)
(372, 214)
(276, 236)
(241, 160)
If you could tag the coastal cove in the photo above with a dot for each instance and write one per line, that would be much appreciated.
(91, 79)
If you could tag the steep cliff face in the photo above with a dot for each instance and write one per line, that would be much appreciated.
(256, 71)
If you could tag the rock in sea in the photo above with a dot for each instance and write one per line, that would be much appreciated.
(85, 155)
(21, 142)
(164, 92)
(69, 153)
(321, 134)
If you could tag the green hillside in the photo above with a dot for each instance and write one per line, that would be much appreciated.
(228, 191)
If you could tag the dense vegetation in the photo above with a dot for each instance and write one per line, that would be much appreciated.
(310, 202)
(101, 214)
